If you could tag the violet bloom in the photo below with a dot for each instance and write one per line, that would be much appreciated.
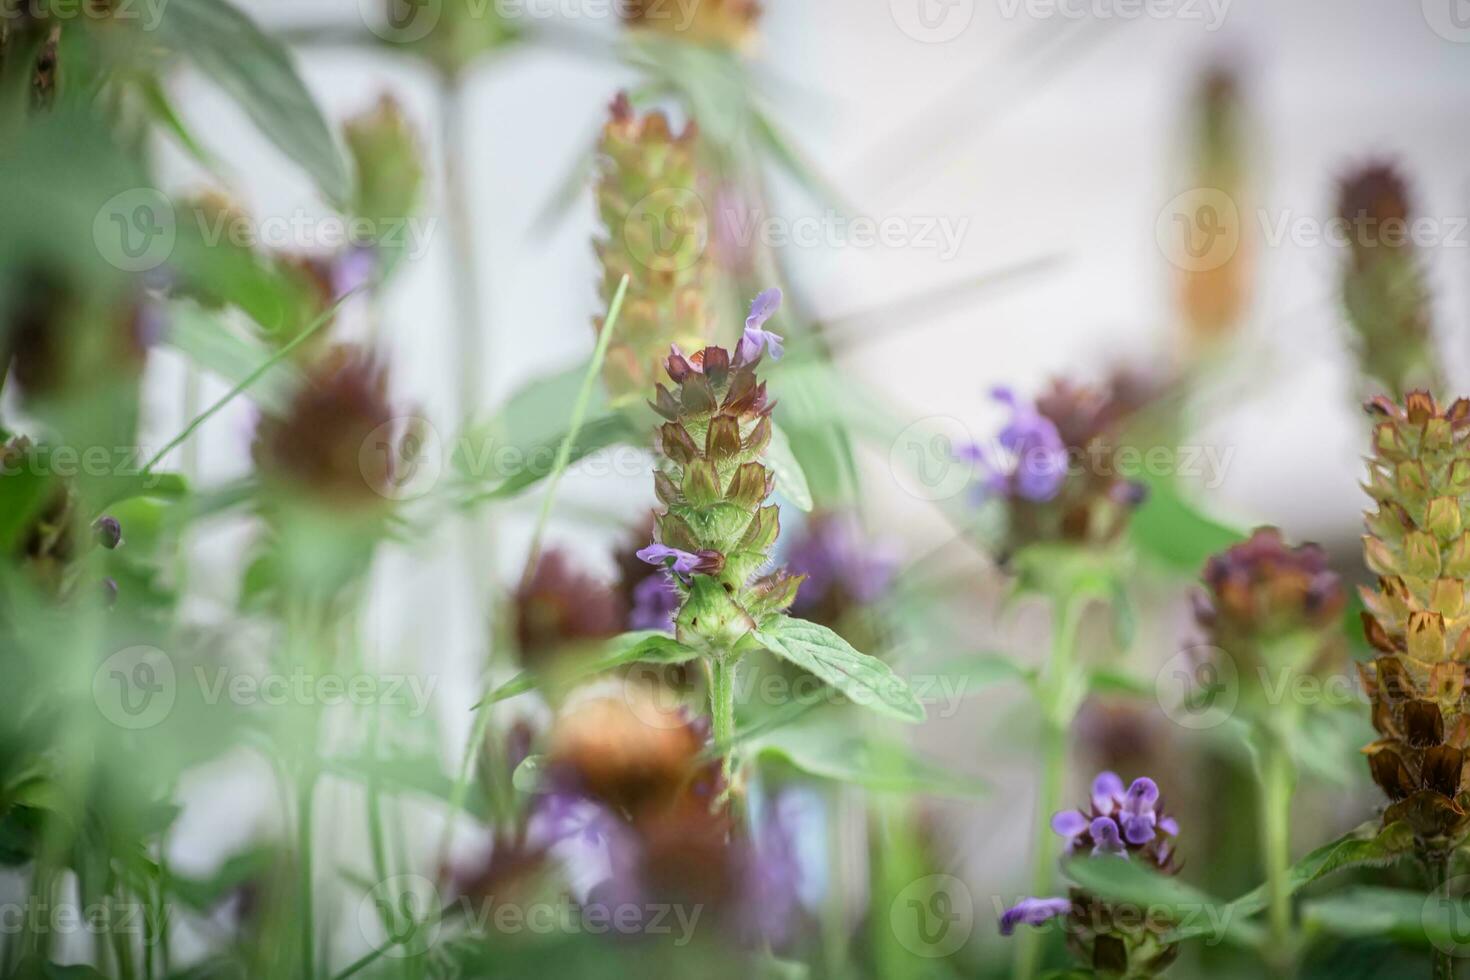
(352, 269)
(1118, 819)
(655, 601)
(1105, 837)
(679, 562)
(1030, 459)
(1033, 912)
(1138, 817)
(772, 877)
(833, 554)
(756, 338)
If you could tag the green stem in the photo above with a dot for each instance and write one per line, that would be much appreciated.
(304, 792)
(1058, 704)
(1278, 778)
(1439, 869)
(722, 711)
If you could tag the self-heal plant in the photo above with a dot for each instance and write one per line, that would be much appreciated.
(1121, 823)
(1273, 613)
(1416, 619)
(718, 529)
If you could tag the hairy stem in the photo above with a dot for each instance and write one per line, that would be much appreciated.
(1443, 967)
(1278, 778)
(722, 712)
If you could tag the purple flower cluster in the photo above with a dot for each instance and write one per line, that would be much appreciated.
(1124, 822)
(838, 560)
(1028, 458)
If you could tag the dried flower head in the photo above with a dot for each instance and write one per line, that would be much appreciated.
(1128, 823)
(1383, 286)
(656, 233)
(1417, 619)
(1266, 600)
(722, 23)
(335, 440)
(559, 607)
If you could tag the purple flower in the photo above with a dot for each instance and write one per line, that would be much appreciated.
(756, 338)
(772, 877)
(1029, 460)
(655, 601)
(833, 554)
(1069, 824)
(1137, 816)
(1105, 837)
(1033, 912)
(683, 562)
(1106, 789)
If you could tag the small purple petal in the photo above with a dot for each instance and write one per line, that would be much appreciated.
(658, 554)
(1068, 823)
(1033, 912)
(1169, 826)
(655, 601)
(1105, 789)
(1138, 829)
(1142, 796)
(1105, 837)
(764, 307)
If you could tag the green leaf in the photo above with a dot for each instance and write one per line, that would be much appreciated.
(22, 495)
(1131, 883)
(521, 467)
(790, 478)
(864, 680)
(829, 745)
(1171, 530)
(640, 646)
(1406, 916)
(257, 72)
(1364, 845)
(213, 346)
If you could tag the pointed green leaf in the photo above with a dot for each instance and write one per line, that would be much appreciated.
(640, 646)
(1142, 888)
(830, 746)
(790, 478)
(864, 680)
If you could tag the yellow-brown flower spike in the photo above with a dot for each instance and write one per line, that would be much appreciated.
(719, 23)
(1417, 620)
(1214, 295)
(657, 233)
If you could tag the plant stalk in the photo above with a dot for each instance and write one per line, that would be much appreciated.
(1278, 778)
(1057, 709)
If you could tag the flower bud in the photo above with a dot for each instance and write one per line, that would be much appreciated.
(719, 23)
(389, 164)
